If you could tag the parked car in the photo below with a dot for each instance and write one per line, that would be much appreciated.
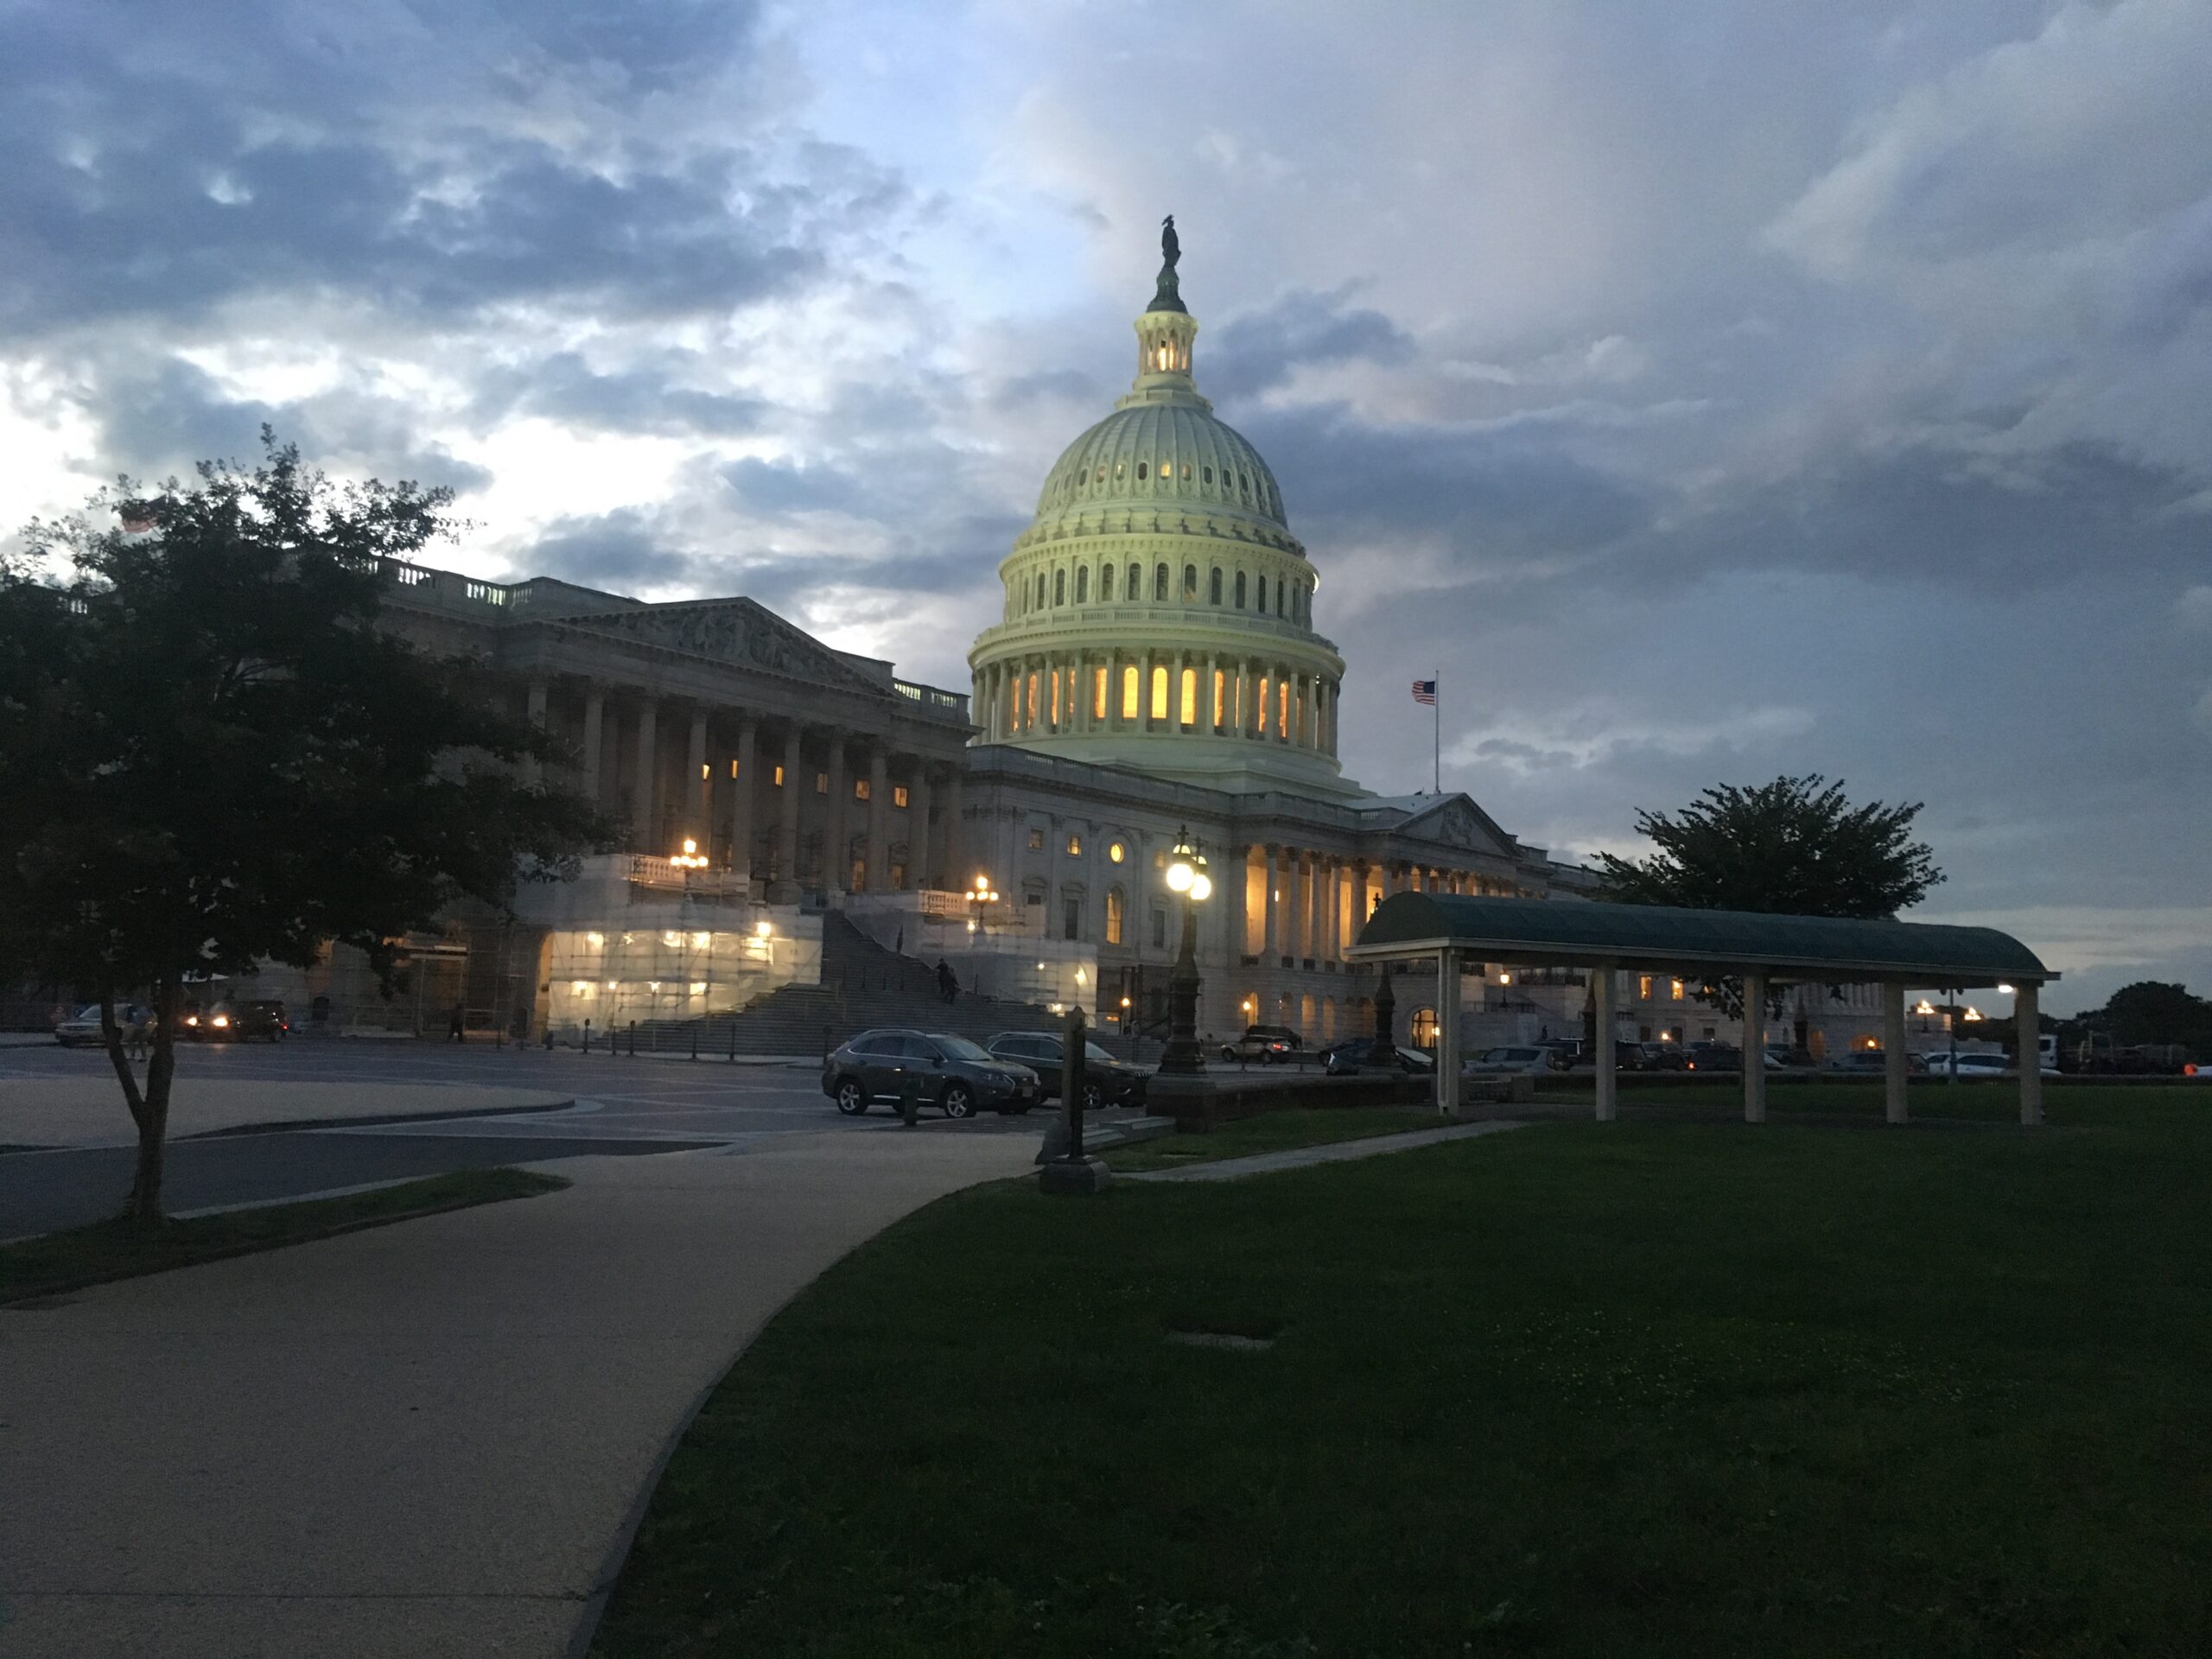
(1713, 1057)
(1270, 1045)
(1663, 1057)
(1871, 1063)
(1528, 1057)
(1106, 1081)
(1968, 1066)
(1342, 1058)
(957, 1076)
(82, 1028)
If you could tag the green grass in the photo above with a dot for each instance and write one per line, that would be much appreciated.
(1636, 1390)
(1272, 1132)
(124, 1250)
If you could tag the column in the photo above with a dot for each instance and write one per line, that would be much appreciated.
(1608, 1082)
(1447, 1030)
(2027, 1023)
(642, 801)
(595, 786)
(1308, 877)
(533, 771)
(785, 890)
(741, 805)
(879, 819)
(699, 785)
(1270, 914)
(956, 872)
(1893, 1067)
(1754, 1046)
(836, 838)
(920, 864)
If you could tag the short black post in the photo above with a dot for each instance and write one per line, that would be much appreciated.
(1072, 1172)
(733, 1039)
(633, 1039)
(694, 1039)
(587, 1037)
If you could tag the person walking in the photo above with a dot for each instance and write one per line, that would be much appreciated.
(138, 1036)
(456, 1026)
(946, 983)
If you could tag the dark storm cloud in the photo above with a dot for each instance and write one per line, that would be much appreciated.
(640, 398)
(617, 552)
(1262, 349)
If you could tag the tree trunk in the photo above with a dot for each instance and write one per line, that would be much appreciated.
(151, 1109)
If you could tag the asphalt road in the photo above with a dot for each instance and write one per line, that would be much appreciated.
(622, 1106)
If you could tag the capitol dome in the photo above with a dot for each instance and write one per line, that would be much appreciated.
(1158, 610)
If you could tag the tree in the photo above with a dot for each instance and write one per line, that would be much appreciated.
(1794, 847)
(2153, 1011)
(210, 754)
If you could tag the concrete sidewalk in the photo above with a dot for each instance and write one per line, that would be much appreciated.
(90, 1111)
(1333, 1152)
(431, 1437)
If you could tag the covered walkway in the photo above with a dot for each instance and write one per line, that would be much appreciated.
(1765, 950)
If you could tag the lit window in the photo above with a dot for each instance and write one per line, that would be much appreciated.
(1130, 692)
(1677, 989)
(1159, 690)
(860, 789)
(779, 777)
(1031, 719)
(1098, 694)
(898, 796)
(1075, 846)
(1644, 988)
(1159, 859)
(1119, 468)
(733, 768)
(1036, 840)
(1055, 677)
(1117, 852)
(822, 783)
(1220, 698)
(1116, 906)
(1102, 474)
(1189, 714)
(705, 771)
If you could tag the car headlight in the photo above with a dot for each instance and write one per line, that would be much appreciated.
(191, 1019)
(221, 1021)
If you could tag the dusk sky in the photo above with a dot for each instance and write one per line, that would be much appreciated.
(1707, 390)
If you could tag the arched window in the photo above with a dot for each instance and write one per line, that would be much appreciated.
(1040, 590)
(1083, 584)
(1130, 709)
(1213, 586)
(1060, 586)
(1208, 475)
(1102, 474)
(1160, 693)
(1139, 472)
(1190, 582)
(1159, 584)
(1262, 596)
(1117, 906)
(1105, 583)
(1240, 590)
(1186, 472)
(1135, 591)
(1279, 587)
(1189, 714)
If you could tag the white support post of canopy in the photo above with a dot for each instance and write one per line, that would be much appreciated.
(1608, 1080)
(1448, 1031)
(1893, 1063)
(2027, 1024)
(1754, 1046)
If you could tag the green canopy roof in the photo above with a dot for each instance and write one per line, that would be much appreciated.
(1572, 933)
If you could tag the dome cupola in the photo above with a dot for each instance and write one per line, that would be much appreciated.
(1158, 610)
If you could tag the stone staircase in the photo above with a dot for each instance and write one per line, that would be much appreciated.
(863, 985)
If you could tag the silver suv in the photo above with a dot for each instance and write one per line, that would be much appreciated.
(955, 1075)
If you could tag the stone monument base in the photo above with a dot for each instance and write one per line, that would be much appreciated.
(1062, 1176)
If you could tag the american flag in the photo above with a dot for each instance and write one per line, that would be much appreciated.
(1425, 692)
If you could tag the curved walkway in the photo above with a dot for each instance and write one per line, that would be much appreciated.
(435, 1437)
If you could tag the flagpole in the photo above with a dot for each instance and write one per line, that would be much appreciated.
(1436, 751)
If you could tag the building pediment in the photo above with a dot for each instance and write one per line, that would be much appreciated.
(735, 631)
(1455, 821)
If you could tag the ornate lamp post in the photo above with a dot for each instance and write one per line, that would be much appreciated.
(1186, 874)
(981, 896)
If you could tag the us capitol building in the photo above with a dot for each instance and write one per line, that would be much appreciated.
(1156, 669)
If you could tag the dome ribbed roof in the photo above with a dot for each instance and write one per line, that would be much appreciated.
(1184, 454)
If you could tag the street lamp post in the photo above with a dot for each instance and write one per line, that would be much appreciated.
(1186, 874)
(981, 896)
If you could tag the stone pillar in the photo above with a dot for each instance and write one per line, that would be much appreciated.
(1894, 1063)
(643, 799)
(920, 864)
(836, 834)
(593, 782)
(1754, 1046)
(533, 771)
(699, 784)
(1271, 914)
(879, 819)
(1306, 879)
(785, 888)
(1447, 1030)
(741, 805)
(2027, 1024)
(1608, 1084)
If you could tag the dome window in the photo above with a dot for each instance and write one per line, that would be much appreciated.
(1102, 474)
(1240, 590)
(1160, 585)
(1190, 582)
(1135, 591)
(1139, 472)
(1105, 582)
(1119, 468)
(1186, 472)
(1083, 584)
(1213, 586)
(1059, 586)
(1209, 471)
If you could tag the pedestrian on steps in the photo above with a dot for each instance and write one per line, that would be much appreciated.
(948, 987)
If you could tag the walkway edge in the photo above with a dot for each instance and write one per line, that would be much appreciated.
(1332, 1151)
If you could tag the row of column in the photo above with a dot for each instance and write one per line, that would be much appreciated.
(1062, 693)
(735, 767)
(1315, 920)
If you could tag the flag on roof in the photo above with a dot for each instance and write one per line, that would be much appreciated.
(1425, 692)
(137, 516)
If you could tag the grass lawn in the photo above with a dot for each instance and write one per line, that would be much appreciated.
(1272, 1132)
(1578, 1389)
(122, 1249)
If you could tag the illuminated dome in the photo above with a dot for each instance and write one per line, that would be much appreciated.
(1158, 610)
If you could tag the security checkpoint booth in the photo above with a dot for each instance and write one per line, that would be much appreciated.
(1450, 930)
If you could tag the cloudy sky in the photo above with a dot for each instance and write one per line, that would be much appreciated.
(1708, 390)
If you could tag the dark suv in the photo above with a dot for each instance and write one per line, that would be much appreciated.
(1269, 1043)
(956, 1076)
(1106, 1081)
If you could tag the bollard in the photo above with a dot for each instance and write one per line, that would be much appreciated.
(633, 1039)
(694, 1039)
(910, 1098)
(732, 1042)
(587, 1036)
